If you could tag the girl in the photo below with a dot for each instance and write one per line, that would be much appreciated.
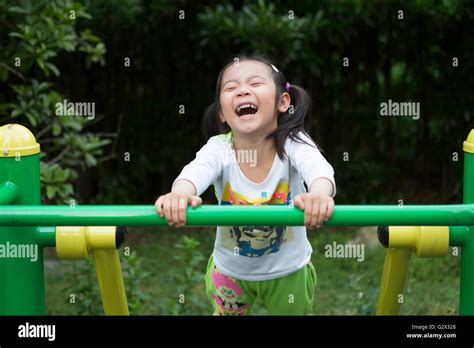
(261, 155)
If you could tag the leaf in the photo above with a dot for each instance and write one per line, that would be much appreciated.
(73, 124)
(91, 161)
(56, 129)
(17, 9)
(68, 189)
(41, 64)
(68, 46)
(53, 67)
(49, 21)
(31, 118)
(15, 34)
(50, 191)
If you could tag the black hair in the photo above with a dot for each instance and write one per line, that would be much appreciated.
(290, 123)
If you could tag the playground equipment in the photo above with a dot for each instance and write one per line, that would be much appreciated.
(78, 231)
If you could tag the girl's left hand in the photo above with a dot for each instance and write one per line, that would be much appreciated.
(317, 208)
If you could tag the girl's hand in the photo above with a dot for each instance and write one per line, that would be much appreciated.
(317, 208)
(173, 206)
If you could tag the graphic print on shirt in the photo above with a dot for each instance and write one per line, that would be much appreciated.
(256, 241)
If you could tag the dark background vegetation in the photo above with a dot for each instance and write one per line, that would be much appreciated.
(174, 62)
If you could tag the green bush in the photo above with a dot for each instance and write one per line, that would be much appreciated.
(37, 35)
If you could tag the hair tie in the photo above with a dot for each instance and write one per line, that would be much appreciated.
(287, 87)
(274, 68)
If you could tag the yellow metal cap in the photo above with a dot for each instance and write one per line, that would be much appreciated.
(469, 143)
(16, 140)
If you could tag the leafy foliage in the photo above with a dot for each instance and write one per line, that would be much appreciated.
(39, 33)
(184, 279)
(81, 281)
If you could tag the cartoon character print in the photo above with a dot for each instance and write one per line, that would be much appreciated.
(228, 294)
(256, 241)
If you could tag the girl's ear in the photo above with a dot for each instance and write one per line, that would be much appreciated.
(285, 101)
(221, 117)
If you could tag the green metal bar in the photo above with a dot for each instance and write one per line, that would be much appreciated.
(458, 235)
(466, 306)
(8, 192)
(210, 215)
(46, 236)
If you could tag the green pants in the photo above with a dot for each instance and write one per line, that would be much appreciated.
(289, 295)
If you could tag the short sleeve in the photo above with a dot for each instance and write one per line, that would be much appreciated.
(206, 167)
(309, 162)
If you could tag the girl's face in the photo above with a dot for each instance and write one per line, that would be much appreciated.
(247, 98)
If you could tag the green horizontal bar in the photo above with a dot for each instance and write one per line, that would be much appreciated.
(8, 192)
(212, 215)
(46, 236)
(458, 235)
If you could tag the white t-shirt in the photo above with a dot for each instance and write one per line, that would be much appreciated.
(258, 252)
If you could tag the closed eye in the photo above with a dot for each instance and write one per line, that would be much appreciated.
(256, 84)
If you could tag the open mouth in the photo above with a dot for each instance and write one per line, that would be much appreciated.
(246, 110)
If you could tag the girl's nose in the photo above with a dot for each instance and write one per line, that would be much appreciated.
(243, 91)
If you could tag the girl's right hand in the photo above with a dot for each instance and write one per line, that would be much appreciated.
(172, 207)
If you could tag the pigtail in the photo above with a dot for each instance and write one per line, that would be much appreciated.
(211, 125)
(294, 121)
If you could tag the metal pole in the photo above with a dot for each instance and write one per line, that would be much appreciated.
(211, 215)
(21, 258)
(466, 306)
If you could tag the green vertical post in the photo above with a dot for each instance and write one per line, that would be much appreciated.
(21, 258)
(466, 306)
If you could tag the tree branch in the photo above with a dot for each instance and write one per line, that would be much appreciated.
(59, 157)
(43, 131)
(13, 71)
(107, 158)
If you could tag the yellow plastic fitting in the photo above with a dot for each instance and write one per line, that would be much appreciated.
(71, 243)
(16, 140)
(427, 241)
(77, 242)
(468, 145)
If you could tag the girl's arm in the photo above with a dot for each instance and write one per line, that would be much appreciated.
(311, 165)
(194, 179)
(184, 186)
(322, 186)
(315, 170)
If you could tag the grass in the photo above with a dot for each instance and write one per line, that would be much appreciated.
(345, 286)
